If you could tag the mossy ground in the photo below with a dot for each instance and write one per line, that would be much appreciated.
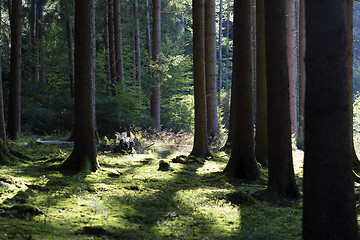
(129, 198)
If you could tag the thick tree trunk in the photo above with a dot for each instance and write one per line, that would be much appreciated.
(281, 172)
(119, 63)
(210, 70)
(242, 163)
(329, 204)
(261, 138)
(155, 92)
(83, 157)
(112, 55)
(302, 76)
(14, 117)
(70, 53)
(200, 148)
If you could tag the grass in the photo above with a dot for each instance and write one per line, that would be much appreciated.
(129, 198)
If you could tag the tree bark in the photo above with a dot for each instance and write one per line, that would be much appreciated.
(83, 157)
(329, 204)
(200, 148)
(261, 138)
(302, 76)
(242, 163)
(210, 70)
(33, 42)
(112, 55)
(281, 172)
(119, 63)
(14, 117)
(220, 45)
(40, 40)
(292, 60)
(148, 32)
(70, 53)
(137, 45)
(155, 92)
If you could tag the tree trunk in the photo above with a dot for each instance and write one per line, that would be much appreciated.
(242, 163)
(33, 42)
(281, 172)
(210, 70)
(220, 45)
(349, 37)
(40, 40)
(70, 53)
(112, 57)
(137, 45)
(302, 76)
(155, 92)
(148, 33)
(261, 138)
(83, 157)
(292, 60)
(2, 120)
(118, 44)
(14, 119)
(329, 204)
(200, 148)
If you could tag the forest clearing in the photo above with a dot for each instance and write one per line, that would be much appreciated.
(130, 198)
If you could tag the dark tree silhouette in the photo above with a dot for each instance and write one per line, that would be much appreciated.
(329, 204)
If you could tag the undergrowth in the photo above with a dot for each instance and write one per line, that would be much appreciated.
(130, 198)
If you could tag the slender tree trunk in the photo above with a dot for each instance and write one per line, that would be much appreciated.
(261, 136)
(200, 148)
(220, 45)
(112, 55)
(302, 76)
(84, 153)
(210, 70)
(292, 60)
(14, 117)
(40, 40)
(349, 37)
(118, 44)
(137, 45)
(33, 44)
(70, 53)
(329, 204)
(148, 33)
(242, 163)
(2, 119)
(155, 93)
(281, 172)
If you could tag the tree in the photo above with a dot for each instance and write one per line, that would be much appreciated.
(329, 204)
(281, 172)
(292, 60)
(70, 52)
(242, 163)
(112, 55)
(155, 92)
(261, 138)
(137, 44)
(14, 117)
(40, 40)
(118, 44)
(302, 76)
(210, 70)
(200, 148)
(33, 42)
(220, 44)
(84, 153)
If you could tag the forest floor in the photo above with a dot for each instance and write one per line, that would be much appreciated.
(130, 198)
